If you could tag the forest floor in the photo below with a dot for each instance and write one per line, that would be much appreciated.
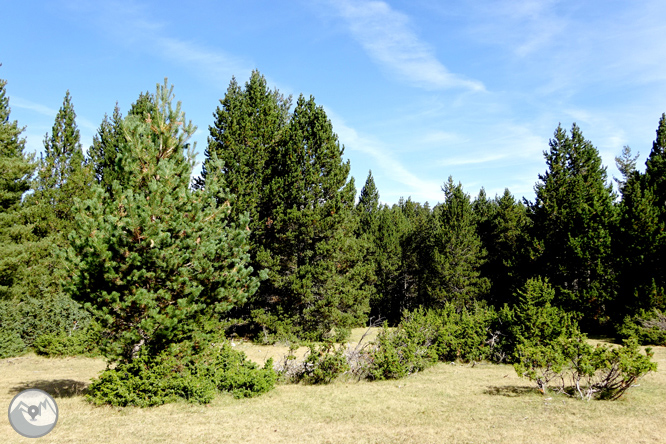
(446, 403)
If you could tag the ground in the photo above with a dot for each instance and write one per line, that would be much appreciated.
(447, 403)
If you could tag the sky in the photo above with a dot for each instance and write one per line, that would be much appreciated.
(416, 90)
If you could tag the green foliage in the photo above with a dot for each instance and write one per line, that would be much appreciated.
(646, 327)
(465, 334)
(81, 343)
(324, 363)
(455, 253)
(11, 343)
(573, 218)
(533, 319)
(191, 371)
(158, 262)
(16, 170)
(24, 322)
(405, 350)
(584, 371)
(504, 230)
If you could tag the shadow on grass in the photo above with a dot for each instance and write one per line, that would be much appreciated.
(511, 391)
(58, 388)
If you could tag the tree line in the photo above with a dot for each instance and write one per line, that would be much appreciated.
(119, 244)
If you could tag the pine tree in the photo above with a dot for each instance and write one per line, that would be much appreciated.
(573, 217)
(159, 263)
(416, 232)
(104, 150)
(16, 169)
(641, 240)
(626, 164)
(387, 301)
(508, 249)
(63, 174)
(317, 280)
(249, 123)
(456, 252)
(655, 168)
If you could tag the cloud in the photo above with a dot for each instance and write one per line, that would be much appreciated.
(387, 37)
(127, 22)
(32, 106)
(388, 164)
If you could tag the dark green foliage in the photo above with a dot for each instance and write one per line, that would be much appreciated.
(16, 170)
(190, 371)
(574, 217)
(455, 253)
(159, 263)
(24, 322)
(505, 236)
(640, 246)
(533, 320)
(466, 334)
(316, 275)
(286, 171)
(392, 280)
(81, 343)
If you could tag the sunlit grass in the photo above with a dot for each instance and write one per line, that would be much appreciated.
(444, 404)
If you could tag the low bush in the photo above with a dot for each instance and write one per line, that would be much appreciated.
(405, 350)
(647, 327)
(574, 367)
(182, 372)
(24, 321)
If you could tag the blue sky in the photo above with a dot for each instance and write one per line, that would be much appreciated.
(417, 90)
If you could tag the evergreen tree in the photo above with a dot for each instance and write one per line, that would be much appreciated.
(641, 240)
(104, 150)
(508, 249)
(158, 263)
(388, 300)
(573, 217)
(317, 280)
(416, 232)
(655, 168)
(249, 123)
(16, 169)
(626, 164)
(456, 252)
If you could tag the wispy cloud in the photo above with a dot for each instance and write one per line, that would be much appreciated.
(387, 37)
(130, 23)
(32, 106)
(388, 165)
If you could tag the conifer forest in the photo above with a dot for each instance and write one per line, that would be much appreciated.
(116, 250)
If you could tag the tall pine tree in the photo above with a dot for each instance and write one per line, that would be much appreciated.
(456, 251)
(158, 263)
(574, 217)
(16, 170)
(317, 280)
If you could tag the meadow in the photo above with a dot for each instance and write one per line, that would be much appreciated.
(446, 403)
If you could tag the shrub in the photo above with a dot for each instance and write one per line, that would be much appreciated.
(584, 371)
(24, 321)
(647, 327)
(186, 371)
(533, 321)
(62, 344)
(464, 334)
(406, 349)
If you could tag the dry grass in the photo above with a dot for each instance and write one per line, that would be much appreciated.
(444, 404)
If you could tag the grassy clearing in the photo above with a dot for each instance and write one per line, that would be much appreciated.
(446, 403)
